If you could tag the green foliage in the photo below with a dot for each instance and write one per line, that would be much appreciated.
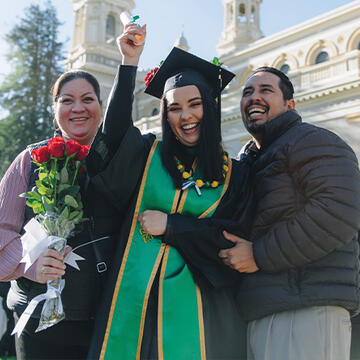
(56, 199)
(25, 94)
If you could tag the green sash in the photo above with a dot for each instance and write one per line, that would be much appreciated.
(180, 316)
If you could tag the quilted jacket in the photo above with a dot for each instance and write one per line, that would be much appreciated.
(307, 190)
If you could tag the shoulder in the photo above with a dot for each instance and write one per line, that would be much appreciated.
(22, 163)
(314, 138)
(315, 147)
(37, 145)
(18, 171)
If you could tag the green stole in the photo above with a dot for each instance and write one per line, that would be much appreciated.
(180, 316)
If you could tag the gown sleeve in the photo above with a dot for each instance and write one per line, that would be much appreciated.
(200, 240)
(118, 154)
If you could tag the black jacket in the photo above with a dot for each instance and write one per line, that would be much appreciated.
(307, 189)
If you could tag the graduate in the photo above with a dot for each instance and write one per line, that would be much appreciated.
(170, 299)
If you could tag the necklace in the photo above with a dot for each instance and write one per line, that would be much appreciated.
(190, 180)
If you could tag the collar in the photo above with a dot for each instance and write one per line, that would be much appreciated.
(278, 126)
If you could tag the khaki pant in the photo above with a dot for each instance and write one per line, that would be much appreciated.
(314, 333)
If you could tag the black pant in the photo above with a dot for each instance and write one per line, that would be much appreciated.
(7, 343)
(66, 340)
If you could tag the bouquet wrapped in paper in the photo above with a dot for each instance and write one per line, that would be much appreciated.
(56, 203)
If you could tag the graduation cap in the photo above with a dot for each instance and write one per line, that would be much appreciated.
(181, 68)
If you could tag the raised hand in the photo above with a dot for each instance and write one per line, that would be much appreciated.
(153, 222)
(129, 44)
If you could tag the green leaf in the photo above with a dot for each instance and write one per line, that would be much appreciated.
(73, 214)
(80, 204)
(70, 201)
(50, 226)
(64, 176)
(31, 195)
(36, 206)
(134, 18)
(64, 214)
(43, 190)
(48, 204)
(62, 187)
(43, 176)
(216, 61)
(78, 218)
(70, 190)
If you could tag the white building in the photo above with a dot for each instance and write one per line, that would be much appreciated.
(96, 26)
(321, 56)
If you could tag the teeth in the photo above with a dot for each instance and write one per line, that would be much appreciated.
(253, 110)
(79, 119)
(190, 126)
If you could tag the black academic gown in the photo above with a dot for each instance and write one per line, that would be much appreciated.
(116, 163)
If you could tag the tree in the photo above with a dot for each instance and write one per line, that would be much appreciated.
(25, 93)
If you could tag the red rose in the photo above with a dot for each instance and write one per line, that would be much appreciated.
(81, 155)
(150, 75)
(41, 154)
(56, 149)
(57, 139)
(72, 147)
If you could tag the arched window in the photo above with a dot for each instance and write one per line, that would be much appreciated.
(110, 28)
(322, 57)
(242, 12)
(155, 111)
(252, 18)
(285, 68)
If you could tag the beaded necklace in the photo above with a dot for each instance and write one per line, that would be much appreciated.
(189, 178)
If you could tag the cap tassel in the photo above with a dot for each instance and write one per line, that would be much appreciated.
(219, 96)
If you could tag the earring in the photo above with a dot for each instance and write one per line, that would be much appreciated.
(56, 129)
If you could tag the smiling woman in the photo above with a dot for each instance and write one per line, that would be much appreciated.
(185, 112)
(170, 299)
(77, 111)
(77, 106)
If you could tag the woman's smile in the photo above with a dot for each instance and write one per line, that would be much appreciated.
(185, 113)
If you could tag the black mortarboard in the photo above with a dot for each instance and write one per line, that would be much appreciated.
(181, 68)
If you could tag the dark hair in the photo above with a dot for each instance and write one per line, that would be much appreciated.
(285, 84)
(209, 149)
(72, 75)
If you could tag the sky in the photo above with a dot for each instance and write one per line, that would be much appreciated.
(200, 20)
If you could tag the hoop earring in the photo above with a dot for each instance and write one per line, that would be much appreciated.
(56, 129)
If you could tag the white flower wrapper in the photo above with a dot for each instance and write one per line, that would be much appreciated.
(52, 311)
(35, 241)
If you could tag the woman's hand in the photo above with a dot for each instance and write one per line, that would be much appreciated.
(129, 44)
(50, 265)
(153, 222)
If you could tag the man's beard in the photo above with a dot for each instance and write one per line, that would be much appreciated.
(255, 129)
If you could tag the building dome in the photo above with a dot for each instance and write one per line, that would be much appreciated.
(182, 43)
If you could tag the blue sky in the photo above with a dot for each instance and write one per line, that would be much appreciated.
(201, 21)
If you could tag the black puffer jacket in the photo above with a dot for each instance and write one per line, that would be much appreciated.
(307, 189)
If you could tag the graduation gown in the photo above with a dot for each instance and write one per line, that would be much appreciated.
(117, 162)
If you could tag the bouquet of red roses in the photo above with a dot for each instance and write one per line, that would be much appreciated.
(56, 203)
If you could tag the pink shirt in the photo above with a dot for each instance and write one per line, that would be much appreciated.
(12, 209)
